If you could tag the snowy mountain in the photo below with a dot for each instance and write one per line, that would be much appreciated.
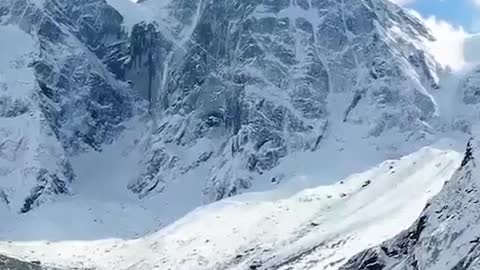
(233, 89)
(124, 116)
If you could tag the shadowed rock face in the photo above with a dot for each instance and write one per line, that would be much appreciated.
(446, 236)
(148, 52)
(7, 263)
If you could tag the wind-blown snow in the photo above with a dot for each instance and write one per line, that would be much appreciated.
(448, 48)
(325, 225)
(453, 46)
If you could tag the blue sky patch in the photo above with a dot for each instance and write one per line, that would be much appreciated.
(457, 12)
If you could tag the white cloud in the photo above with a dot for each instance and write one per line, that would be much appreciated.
(450, 47)
(454, 46)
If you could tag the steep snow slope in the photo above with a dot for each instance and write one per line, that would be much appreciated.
(317, 228)
(444, 237)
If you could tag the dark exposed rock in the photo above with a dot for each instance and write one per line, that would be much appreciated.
(47, 184)
(81, 102)
(7, 263)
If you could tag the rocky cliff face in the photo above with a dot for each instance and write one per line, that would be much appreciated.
(249, 83)
(233, 87)
(71, 101)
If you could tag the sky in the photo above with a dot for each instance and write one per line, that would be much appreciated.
(459, 13)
